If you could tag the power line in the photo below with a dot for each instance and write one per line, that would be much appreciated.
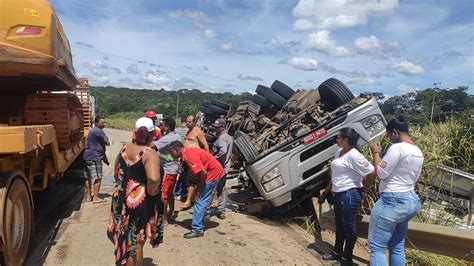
(135, 60)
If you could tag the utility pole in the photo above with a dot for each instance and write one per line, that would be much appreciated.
(177, 97)
(432, 104)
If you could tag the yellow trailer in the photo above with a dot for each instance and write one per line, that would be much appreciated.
(45, 115)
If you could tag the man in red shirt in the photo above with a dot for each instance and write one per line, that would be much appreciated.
(208, 171)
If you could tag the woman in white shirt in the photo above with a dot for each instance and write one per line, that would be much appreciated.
(348, 168)
(398, 172)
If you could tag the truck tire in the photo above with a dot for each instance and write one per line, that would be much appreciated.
(220, 104)
(334, 93)
(217, 110)
(205, 110)
(210, 138)
(17, 221)
(282, 89)
(275, 99)
(260, 100)
(261, 90)
(206, 103)
(243, 147)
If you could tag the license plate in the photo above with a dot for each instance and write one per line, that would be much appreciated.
(315, 136)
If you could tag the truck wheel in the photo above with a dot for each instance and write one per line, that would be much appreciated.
(217, 110)
(17, 222)
(205, 110)
(260, 100)
(220, 104)
(334, 93)
(261, 90)
(275, 99)
(282, 89)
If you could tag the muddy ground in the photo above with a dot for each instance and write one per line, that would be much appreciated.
(80, 237)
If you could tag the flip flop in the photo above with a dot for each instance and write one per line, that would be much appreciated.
(185, 207)
(99, 201)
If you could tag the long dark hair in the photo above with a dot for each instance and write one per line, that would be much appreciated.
(143, 137)
(397, 124)
(351, 135)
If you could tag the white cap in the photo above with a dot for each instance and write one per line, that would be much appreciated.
(145, 122)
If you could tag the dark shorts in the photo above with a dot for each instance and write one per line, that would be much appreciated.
(189, 178)
(93, 170)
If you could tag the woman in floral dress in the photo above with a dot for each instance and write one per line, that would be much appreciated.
(137, 210)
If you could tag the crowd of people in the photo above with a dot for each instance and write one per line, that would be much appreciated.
(159, 162)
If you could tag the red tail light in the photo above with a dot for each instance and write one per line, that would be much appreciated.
(28, 30)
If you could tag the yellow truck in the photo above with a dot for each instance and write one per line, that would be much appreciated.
(45, 115)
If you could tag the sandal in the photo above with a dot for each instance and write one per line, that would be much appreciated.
(185, 207)
(99, 201)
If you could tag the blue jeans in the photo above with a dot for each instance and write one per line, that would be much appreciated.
(346, 205)
(200, 206)
(389, 224)
(220, 191)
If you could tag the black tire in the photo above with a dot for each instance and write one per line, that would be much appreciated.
(261, 89)
(210, 138)
(17, 241)
(275, 99)
(220, 104)
(217, 110)
(260, 100)
(282, 89)
(205, 103)
(334, 93)
(205, 110)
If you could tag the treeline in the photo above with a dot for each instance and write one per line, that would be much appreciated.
(420, 107)
(111, 100)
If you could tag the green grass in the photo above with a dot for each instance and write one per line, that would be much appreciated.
(124, 121)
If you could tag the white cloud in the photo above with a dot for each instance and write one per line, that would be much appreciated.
(248, 78)
(133, 69)
(226, 47)
(208, 33)
(331, 14)
(306, 64)
(198, 18)
(367, 81)
(322, 42)
(402, 89)
(408, 68)
(373, 46)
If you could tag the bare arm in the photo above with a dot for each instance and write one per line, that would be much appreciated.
(203, 175)
(202, 140)
(151, 161)
(370, 179)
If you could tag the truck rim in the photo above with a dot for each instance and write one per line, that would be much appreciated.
(17, 222)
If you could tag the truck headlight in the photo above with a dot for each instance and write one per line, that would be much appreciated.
(373, 124)
(272, 180)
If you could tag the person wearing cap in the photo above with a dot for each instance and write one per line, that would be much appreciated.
(94, 154)
(156, 134)
(137, 210)
(169, 165)
(222, 150)
(208, 172)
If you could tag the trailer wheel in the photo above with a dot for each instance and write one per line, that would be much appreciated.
(334, 93)
(17, 222)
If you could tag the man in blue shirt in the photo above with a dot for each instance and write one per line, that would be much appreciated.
(94, 155)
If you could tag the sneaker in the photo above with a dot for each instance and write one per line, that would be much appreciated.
(193, 234)
(331, 256)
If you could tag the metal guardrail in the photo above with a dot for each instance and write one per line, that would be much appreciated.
(443, 240)
(457, 182)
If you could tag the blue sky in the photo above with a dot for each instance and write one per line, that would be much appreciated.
(388, 46)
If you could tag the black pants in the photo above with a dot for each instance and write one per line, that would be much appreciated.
(346, 205)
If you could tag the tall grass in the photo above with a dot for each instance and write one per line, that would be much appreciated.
(124, 121)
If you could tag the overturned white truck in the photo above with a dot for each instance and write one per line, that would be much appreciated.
(284, 140)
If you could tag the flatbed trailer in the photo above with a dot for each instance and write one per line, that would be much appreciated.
(45, 115)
